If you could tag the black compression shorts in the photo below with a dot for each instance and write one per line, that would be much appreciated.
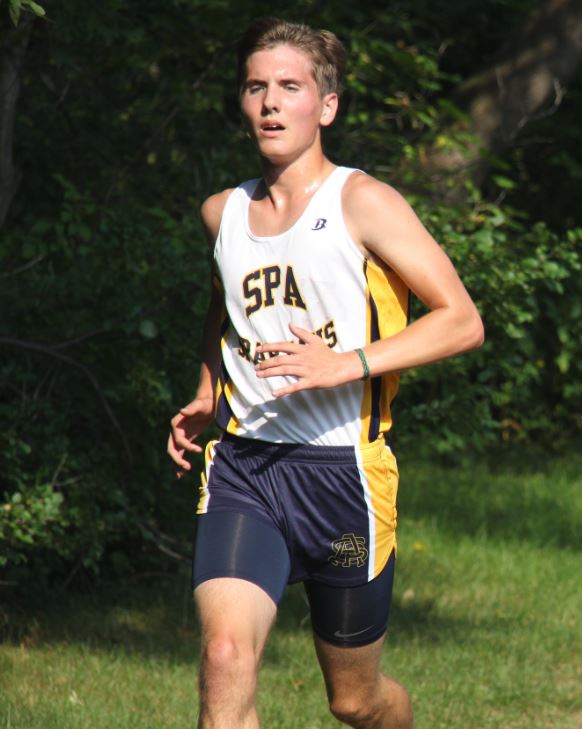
(238, 545)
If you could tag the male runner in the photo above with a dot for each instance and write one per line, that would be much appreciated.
(305, 336)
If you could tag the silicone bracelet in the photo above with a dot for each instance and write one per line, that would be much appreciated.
(362, 356)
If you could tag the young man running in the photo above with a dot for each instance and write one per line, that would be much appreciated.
(305, 336)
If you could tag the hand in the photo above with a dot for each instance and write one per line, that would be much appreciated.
(311, 361)
(186, 427)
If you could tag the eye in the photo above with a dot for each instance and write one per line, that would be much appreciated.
(291, 87)
(254, 88)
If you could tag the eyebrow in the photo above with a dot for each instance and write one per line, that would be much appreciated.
(252, 81)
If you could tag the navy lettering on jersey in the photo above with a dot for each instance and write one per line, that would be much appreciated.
(253, 292)
(259, 356)
(272, 277)
(246, 350)
(327, 333)
(259, 288)
(292, 294)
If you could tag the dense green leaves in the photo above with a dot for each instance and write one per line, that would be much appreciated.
(15, 7)
(519, 386)
(128, 118)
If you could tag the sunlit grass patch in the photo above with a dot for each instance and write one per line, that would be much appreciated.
(484, 629)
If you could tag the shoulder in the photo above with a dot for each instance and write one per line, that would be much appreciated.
(211, 212)
(363, 193)
(376, 213)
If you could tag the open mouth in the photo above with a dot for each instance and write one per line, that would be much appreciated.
(272, 126)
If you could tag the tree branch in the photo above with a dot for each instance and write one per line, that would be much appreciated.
(52, 352)
(12, 50)
(174, 111)
(24, 267)
(529, 74)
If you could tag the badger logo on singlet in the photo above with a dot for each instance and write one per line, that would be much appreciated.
(349, 551)
(319, 224)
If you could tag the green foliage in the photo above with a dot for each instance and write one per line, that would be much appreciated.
(87, 386)
(483, 625)
(127, 119)
(15, 7)
(525, 382)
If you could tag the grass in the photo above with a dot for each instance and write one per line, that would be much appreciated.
(484, 629)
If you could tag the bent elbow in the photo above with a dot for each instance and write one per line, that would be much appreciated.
(475, 332)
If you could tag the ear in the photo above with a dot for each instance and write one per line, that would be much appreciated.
(329, 110)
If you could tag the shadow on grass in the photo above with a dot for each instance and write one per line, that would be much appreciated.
(141, 617)
(538, 502)
(416, 620)
(158, 621)
(154, 616)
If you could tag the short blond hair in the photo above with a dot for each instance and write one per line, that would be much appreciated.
(325, 51)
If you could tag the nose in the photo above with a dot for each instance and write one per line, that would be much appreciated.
(271, 99)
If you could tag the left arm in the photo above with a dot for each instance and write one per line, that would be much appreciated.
(386, 228)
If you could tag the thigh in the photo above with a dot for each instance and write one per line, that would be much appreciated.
(242, 547)
(235, 611)
(349, 669)
(352, 616)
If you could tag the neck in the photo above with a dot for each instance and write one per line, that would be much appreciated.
(297, 178)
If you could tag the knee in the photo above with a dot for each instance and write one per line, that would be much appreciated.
(224, 657)
(353, 710)
(388, 703)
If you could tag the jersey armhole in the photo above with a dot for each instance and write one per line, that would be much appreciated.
(353, 245)
(247, 188)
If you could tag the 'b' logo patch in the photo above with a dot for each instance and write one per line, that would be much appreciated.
(319, 224)
(349, 551)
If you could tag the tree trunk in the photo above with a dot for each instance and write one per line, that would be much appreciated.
(525, 82)
(13, 42)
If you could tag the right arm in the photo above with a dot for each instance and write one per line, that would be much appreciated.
(192, 419)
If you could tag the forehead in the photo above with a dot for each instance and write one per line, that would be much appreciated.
(282, 60)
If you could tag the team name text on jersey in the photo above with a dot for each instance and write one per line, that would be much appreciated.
(326, 332)
(260, 285)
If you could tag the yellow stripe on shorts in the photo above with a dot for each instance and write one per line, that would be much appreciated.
(203, 492)
(379, 478)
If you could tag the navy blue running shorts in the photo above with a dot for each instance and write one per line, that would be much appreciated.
(281, 513)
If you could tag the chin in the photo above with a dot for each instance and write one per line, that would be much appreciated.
(277, 156)
(282, 155)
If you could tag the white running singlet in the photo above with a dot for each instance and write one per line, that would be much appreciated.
(314, 276)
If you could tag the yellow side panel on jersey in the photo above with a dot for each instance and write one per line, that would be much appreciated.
(223, 396)
(386, 315)
(218, 393)
(232, 426)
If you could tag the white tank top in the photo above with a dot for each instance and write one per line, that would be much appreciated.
(314, 276)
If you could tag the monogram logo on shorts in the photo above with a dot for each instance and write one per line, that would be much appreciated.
(349, 551)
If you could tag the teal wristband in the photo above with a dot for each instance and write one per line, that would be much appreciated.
(362, 357)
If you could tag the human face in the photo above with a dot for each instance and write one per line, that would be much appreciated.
(281, 104)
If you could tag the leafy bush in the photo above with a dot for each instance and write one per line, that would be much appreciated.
(524, 383)
(102, 307)
(128, 117)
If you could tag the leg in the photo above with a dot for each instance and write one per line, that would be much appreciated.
(241, 567)
(349, 625)
(374, 701)
(235, 617)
